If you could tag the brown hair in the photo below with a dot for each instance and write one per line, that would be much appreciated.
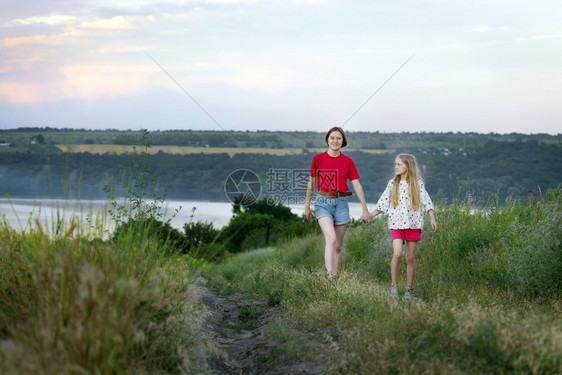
(412, 176)
(337, 129)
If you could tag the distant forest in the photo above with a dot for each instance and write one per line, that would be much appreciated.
(454, 165)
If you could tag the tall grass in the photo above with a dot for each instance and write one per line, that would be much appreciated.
(513, 247)
(74, 302)
(70, 305)
(486, 303)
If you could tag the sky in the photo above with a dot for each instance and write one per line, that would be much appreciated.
(389, 66)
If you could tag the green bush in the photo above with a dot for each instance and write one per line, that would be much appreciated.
(263, 223)
(301, 227)
(156, 230)
(199, 232)
(266, 207)
(245, 226)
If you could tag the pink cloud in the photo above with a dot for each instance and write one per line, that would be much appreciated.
(28, 93)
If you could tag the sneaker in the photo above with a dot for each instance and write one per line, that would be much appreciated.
(393, 290)
(409, 292)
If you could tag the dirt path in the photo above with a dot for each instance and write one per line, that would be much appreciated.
(257, 339)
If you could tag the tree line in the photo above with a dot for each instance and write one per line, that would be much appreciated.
(267, 139)
(510, 169)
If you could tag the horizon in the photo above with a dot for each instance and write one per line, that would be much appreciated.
(49, 128)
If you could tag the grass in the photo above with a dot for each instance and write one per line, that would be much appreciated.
(71, 304)
(186, 150)
(74, 300)
(486, 301)
(487, 285)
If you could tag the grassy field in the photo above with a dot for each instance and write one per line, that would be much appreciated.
(487, 294)
(488, 288)
(73, 304)
(185, 150)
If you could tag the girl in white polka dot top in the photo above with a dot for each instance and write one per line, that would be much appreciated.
(405, 200)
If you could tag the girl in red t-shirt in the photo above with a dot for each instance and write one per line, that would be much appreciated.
(329, 173)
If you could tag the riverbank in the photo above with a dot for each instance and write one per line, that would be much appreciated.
(17, 212)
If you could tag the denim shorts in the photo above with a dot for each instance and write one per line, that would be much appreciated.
(335, 208)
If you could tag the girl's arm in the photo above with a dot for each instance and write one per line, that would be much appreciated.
(433, 222)
(361, 196)
(426, 201)
(309, 191)
(383, 203)
(374, 213)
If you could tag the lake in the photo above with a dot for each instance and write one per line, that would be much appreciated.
(20, 213)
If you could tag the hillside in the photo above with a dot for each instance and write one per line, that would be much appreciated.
(32, 163)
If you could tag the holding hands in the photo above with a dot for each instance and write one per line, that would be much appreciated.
(369, 216)
(366, 217)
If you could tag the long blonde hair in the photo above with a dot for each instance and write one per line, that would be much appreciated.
(412, 175)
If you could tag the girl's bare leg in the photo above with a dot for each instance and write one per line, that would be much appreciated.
(395, 263)
(330, 237)
(411, 263)
(340, 233)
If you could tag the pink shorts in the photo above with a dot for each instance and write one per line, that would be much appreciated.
(406, 234)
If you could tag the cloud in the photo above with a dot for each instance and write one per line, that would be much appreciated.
(113, 23)
(540, 37)
(51, 20)
(226, 2)
(260, 76)
(35, 39)
(92, 81)
(547, 36)
(55, 39)
(19, 93)
(485, 29)
(245, 75)
(79, 82)
(107, 50)
(36, 92)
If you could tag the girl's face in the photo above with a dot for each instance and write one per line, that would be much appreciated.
(400, 168)
(335, 140)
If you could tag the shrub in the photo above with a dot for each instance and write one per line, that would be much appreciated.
(300, 227)
(199, 233)
(246, 225)
(249, 230)
(265, 207)
(156, 230)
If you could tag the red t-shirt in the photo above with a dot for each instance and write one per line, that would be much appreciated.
(332, 173)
